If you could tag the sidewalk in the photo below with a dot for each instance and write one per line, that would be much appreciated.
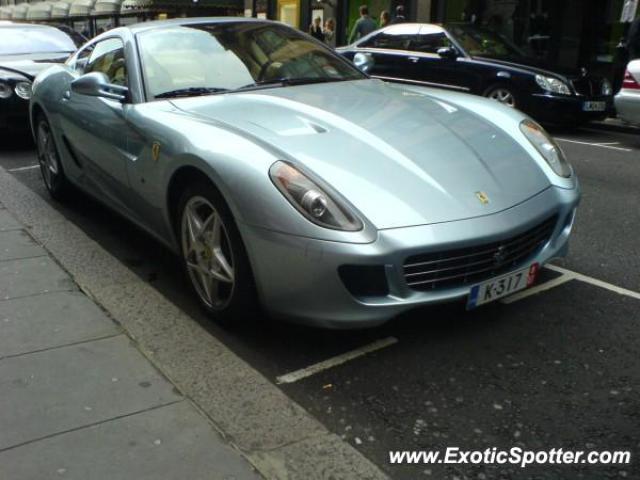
(78, 400)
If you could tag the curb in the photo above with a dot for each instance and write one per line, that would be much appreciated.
(275, 434)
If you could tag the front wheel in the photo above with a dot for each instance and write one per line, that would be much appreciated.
(49, 160)
(504, 94)
(214, 255)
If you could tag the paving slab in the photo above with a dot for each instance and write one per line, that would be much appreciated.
(50, 320)
(171, 442)
(15, 244)
(57, 390)
(250, 410)
(316, 458)
(7, 221)
(30, 276)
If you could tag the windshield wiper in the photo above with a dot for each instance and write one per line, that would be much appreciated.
(286, 81)
(190, 92)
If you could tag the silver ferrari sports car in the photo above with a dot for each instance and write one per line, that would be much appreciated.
(285, 177)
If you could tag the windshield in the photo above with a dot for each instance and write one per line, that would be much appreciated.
(484, 43)
(211, 58)
(22, 41)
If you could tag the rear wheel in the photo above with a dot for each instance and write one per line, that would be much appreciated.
(50, 165)
(504, 94)
(214, 255)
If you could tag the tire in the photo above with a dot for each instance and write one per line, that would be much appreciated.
(214, 256)
(504, 94)
(50, 165)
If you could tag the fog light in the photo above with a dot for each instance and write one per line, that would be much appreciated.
(23, 90)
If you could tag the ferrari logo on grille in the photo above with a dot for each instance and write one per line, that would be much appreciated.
(500, 256)
(483, 197)
(155, 151)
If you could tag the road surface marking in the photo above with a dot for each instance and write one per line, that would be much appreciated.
(335, 361)
(596, 282)
(554, 282)
(20, 169)
(601, 145)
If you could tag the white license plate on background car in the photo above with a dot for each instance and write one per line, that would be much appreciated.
(501, 287)
(594, 106)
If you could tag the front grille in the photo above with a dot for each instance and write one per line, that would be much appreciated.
(464, 266)
(586, 86)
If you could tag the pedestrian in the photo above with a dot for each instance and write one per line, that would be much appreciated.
(385, 18)
(330, 33)
(315, 29)
(633, 40)
(399, 18)
(364, 25)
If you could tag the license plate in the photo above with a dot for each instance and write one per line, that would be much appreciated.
(501, 287)
(594, 106)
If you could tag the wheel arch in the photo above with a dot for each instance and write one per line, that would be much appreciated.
(190, 171)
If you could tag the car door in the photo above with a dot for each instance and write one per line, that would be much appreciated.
(96, 127)
(390, 51)
(434, 69)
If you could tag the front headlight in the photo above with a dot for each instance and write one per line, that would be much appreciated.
(5, 90)
(552, 85)
(547, 147)
(23, 90)
(311, 200)
(607, 89)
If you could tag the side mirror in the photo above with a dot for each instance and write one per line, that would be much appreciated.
(96, 84)
(447, 52)
(364, 61)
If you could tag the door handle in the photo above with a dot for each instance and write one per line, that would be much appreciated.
(66, 95)
(414, 59)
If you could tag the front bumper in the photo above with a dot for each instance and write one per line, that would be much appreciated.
(298, 279)
(561, 109)
(628, 106)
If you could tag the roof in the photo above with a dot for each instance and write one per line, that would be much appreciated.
(157, 24)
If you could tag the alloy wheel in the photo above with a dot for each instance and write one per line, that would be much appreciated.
(503, 96)
(208, 253)
(47, 155)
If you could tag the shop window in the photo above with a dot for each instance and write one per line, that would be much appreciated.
(289, 12)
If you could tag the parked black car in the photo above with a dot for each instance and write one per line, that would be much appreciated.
(471, 59)
(25, 50)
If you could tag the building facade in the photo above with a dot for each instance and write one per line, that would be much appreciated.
(570, 33)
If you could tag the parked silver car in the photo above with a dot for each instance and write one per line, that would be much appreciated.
(284, 175)
(628, 98)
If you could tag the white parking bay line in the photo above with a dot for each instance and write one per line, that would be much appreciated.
(601, 145)
(335, 361)
(20, 169)
(595, 281)
(555, 282)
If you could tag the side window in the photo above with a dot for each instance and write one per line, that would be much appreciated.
(430, 42)
(80, 62)
(396, 37)
(393, 42)
(108, 57)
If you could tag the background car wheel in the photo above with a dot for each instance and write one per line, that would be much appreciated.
(504, 94)
(214, 255)
(50, 164)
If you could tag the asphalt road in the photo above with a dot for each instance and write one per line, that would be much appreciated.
(556, 369)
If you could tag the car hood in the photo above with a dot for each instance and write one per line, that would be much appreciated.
(30, 65)
(400, 156)
(536, 66)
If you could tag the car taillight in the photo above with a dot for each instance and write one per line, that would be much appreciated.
(629, 82)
